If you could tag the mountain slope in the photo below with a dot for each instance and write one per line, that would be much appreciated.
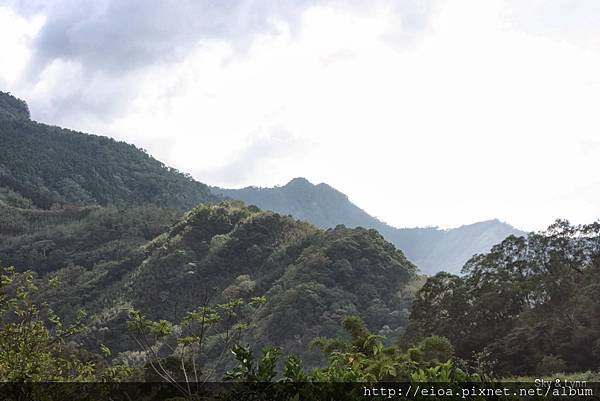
(312, 278)
(45, 166)
(12, 108)
(105, 219)
(431, 249)
(320, 204)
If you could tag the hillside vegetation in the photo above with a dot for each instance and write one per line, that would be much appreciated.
(431, 249)
(45, 166)
(529, 306)
(12, 108)
(312, 279)
(108, 275)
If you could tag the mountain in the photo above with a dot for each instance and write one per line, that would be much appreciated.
(311, 278)
(431, 249)
(107, 222)
(45, 166)
(12, 108)
(320, 204)
(102, 225)
(109, 260)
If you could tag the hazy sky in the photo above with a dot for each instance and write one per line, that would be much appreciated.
(423, 112)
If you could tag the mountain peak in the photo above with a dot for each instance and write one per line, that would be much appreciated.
(488, 223)
(299, 181)
(12, 108)
(302, 183)
(432, 249)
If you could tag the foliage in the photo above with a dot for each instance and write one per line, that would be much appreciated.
(113, 259)
(12, 108)
(312, 279)
(198, 333)
(530, 304)
(50, 166)
(34, 342)
(247, 371)
(430, 248)
(364, 357)
(551, 364)
(102, 223)
(77, 236)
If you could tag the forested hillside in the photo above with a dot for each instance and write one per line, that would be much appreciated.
(106, 220)
(431, 249)
(312, 279)
(82, 237)
(45, 166)
(12, 108)
(529, 306)
(127, 285)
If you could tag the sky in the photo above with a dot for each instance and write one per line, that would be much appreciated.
(424, 112)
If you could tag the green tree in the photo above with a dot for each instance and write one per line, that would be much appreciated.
(178, 354)
(527, 299)
(35, 346)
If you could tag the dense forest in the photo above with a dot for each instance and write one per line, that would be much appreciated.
(45, 166)
(12, 108)
(113, 259)
(118, 268)
(529, 306)
(430, 248)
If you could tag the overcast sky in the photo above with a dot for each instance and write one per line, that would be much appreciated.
(422, 112)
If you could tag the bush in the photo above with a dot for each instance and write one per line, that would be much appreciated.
(551, 364)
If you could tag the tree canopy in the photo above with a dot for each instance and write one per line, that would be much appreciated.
(531, 303)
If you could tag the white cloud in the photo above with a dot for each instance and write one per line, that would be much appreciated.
(478, 113)
(16, 34)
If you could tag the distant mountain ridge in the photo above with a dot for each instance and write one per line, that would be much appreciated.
(431, 249)
(320, 204)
